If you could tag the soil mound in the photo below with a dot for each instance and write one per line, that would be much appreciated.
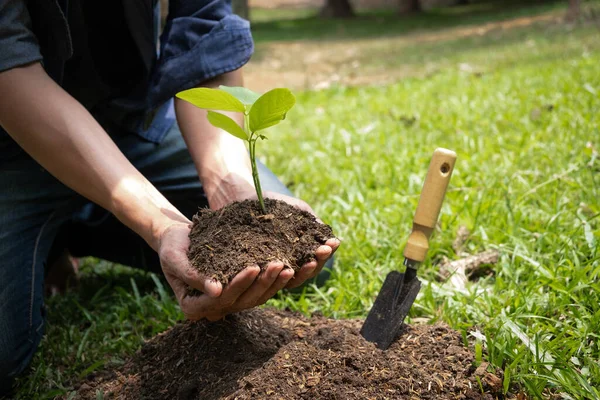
(269, 354)
(226, 241)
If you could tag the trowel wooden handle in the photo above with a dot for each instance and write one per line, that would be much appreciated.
(430, 203)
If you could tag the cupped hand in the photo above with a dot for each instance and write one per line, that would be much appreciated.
(247, 289)
(237, 189)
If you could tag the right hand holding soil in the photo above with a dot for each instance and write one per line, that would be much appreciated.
(322, 254)
(246, 290)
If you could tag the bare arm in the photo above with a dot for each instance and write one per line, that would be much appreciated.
(222, 160)
(64, 138)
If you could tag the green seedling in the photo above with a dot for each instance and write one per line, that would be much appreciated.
(260, 113)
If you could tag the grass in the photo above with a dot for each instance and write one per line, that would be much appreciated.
(526, 128)
(286, 25)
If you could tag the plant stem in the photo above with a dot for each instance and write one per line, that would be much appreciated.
(252, 148)
(259, 194)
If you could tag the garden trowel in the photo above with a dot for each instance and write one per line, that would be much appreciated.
(399, 291)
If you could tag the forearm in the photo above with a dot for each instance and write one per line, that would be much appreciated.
(65, 139)
(221, 159)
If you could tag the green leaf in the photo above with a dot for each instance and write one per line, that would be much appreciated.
(212, 99)
(224, 122)
(246, 96)
(270, 109)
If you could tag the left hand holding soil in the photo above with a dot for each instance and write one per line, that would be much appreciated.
(246, 290)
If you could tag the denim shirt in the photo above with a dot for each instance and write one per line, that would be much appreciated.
(201, 40)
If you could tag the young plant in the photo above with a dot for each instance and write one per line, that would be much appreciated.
(260, 113)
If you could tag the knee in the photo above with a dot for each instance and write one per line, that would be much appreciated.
(16, 353)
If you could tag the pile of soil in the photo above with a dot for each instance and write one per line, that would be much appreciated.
(239, 235)
(268, 354)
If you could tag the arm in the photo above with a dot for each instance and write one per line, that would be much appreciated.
(222, 160)
(64, 138)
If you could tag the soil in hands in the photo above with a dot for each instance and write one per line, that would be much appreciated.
(268, 354)
(226, 241)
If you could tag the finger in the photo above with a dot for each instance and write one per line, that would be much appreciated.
(238, 285)
(305, 273)
(302, 205)
(194, 279)
(176, 263)
(198, 307)
(265, 280)
(214, 317)
(323, 253)
(334, 243)
(282, 280)
(195, 308)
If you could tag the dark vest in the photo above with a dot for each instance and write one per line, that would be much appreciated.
(102, 52)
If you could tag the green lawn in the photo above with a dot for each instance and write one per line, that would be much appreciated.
(286, 24)
(527, 182)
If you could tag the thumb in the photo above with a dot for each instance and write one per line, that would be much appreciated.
(176, 266)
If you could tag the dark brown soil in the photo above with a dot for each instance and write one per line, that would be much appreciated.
(267, 354)
(226, 241)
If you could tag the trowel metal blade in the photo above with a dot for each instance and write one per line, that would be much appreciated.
(397, 295)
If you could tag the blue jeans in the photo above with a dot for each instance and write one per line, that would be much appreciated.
(39, 217)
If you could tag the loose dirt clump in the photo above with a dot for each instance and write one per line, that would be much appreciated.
(226, 241)
(267, 354)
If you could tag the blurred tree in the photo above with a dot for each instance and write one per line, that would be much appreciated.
(241, 8)
(409, 6)
(337, 9)
(574, 10)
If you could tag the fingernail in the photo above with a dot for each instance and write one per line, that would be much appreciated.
(325, 249)
(287, 273)
(310, 265)
(256, 269)
(212, 287)
(274, 273)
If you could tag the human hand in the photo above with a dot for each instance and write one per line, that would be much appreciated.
(323, 252)
(247, 289)
(238, 190)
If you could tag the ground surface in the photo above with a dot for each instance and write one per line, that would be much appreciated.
(379, 48)
(519, 105)
(275, 354)
(226, 241)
